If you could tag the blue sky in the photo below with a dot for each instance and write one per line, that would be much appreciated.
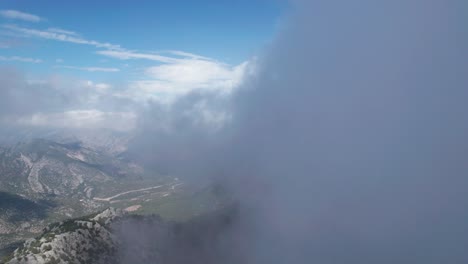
(109, 41)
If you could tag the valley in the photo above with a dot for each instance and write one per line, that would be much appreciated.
(43, 181)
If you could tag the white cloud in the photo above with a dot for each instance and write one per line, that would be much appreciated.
(168, 81)
(100, 87)
(88, 118)
(180, 74)
(62, 31)
(177, 72)
(20, 59)
(127, 55)
(13, 14)
(59, 60)
(91, 69)
(198, 73)
(188, 55)
(54, 35)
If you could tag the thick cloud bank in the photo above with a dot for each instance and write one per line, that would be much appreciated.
(357, 126)
(350, 145)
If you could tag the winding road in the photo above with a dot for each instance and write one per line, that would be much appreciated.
(108, 199)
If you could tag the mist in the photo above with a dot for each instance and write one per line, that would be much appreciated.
(349, 144)
(358, 126)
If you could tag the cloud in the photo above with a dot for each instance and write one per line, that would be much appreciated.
(19, 97)
(62, 31)
(168, 81)
(180, 74)
(91, 69)
(112, 50)
(188, 75)
(349, 145)
(55, 102)
(197, 73)
(99, 86)
(54, 35)
(127, 55)
(187, 55)
(81, 119)
(20, 59)
(13, 14)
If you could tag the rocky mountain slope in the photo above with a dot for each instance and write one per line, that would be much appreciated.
(86, 240)
(115, 237)
(43, 181)
(41, 167)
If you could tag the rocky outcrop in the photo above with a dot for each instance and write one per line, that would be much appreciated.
(85, 240)
(117, 238)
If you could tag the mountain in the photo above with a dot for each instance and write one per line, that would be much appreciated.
(20, 218)
(43, 181)
(44, 167)
(85, 240)
(113, 236)
(103, 140)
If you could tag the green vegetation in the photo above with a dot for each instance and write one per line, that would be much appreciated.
(7, 258)
(183, 206)
(17, 208)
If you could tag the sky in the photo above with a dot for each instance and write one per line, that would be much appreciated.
(86, 64)
(347, 138)
(149, 42)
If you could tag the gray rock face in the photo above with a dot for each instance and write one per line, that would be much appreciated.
(108, 215)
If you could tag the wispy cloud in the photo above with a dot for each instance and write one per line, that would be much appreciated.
(188, 55)
(177, 55)
(14, 14)
(91, 69)
(62, 31)
(54, 35)
(20, 59)
(176, 72)
(127, 55)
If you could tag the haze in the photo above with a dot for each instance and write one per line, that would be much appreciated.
(344, 140)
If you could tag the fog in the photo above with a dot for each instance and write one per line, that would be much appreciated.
(358, 126)
(349, 145)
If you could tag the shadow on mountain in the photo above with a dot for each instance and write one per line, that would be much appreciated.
(17, 208)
